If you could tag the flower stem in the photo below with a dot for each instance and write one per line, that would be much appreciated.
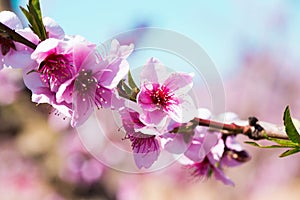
(253, 130)
(232, 129)
(16, 36)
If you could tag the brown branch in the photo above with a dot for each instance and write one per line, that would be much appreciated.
(276, 135)
(233, 129)
(16, 36)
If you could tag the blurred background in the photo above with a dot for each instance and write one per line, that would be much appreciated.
(255, 46)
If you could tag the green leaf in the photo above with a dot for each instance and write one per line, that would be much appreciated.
(290, 128)
(267, 147)
(34, 17)
(126, 88)
(36, 5)
(289, 152)
(131, 81)
(281, 142)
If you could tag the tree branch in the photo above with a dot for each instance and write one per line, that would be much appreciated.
(16, 36)
(255, 131)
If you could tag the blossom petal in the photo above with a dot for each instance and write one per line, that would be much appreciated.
(179, 83)
(82, 107)
(65, 91)
(18, 59)
(219, 175)
(144, 99)
(231, 143)
(83, 54)
(120, 51)
(145, 155)
(10, 19)
(43, 95)
(32, 79)
(153, 117)
(116, 71)
(176, 144)
(53, 29)
(44, 49)
(188, 109)
(195, 152)
(153, 71)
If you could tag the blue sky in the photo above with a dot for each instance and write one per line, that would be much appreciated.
(222, 28)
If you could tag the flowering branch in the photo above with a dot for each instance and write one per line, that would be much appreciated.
(254, 131)
(69, 73)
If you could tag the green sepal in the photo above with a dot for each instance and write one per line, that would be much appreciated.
(131, 81)
(126, 88)
(290, 128)
(281, 142)
(34, 17)
(267, 147)
(289, 152)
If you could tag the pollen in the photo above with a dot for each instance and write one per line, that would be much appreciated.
(87, 86)
(55, 69)
(161, 96)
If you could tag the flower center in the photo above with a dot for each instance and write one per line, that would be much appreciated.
(141, 142)
(201, 170)
(56, 69)
(88, 88)
(161, 96)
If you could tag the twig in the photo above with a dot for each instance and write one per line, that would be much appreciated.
(16, 36)
(251, 131)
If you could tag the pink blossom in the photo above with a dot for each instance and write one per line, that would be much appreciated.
(164, 96)
(209, 165)
(58, 61)
(234, 154)
(195, 145)
(96, 82)
(207, 152)
(146, 148)
(14, 54)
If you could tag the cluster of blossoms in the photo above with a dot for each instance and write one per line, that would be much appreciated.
(70, 74)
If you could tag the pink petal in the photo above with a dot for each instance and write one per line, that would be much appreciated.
(83, 108)
(179, 83)
(219, 175)
(10, 19)
(145, 156)
(65, 91)
(53, 29)
(117, 71)
(42, 95)
(82, 53)
(29, 35)
(195, 152)
(231, 143)
(18, 59)
(176, 145)
(120, 51)
(153, 71)
(175, 112)
(32, 80)
(44, 49)
(156, 117)
(188, 109)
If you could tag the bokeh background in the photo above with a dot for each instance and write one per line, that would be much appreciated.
(256, 47)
